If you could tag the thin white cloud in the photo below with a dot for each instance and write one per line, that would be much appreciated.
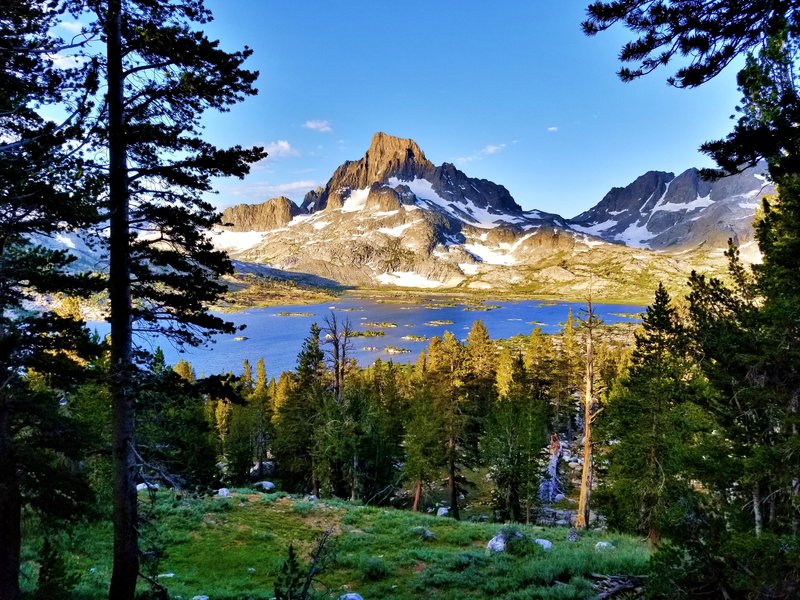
(487, 150)
(493, 149)
(318, 125)
(552, 129)
(281, 148)
(266, 189)
(463, 160)
(71, 26)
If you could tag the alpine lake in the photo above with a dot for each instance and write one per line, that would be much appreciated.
(386, 330)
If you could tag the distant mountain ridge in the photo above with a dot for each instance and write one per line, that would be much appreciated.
(393, 218)
(661, 211)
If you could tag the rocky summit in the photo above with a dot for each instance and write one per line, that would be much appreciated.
(399, 167)
(393, 218)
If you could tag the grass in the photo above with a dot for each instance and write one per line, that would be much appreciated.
(234, 547)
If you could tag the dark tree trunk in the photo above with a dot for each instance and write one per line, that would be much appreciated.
(10, 512)
(126, 546)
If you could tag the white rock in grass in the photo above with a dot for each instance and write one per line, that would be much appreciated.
(146, 486)
(351, 596)
(443, 511)
(200, 598)
(546, 545)
(497, 543)
(223, 492)
(603, 546)
(267, 486)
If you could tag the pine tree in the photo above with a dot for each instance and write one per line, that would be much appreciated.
(516, 432)
(160, 74)
(446, 370)
(654, 419)
(424, 451)
(297, 407)
(568, 377)
(43, 192)
(744, 334)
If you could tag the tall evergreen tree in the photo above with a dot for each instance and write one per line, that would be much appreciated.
(298, 405)
(160, 73)
(516, 432)
(446, 369)
(42, 193)
(654, 425)
(424, 451)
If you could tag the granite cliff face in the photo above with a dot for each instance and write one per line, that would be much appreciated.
(272, 214)
(662, 211)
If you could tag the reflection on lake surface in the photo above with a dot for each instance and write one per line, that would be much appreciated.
(276, 333)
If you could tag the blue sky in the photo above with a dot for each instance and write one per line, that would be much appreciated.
(509, 91)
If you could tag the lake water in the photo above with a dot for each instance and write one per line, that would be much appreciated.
(278, 338)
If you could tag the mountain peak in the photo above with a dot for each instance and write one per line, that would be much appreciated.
(385, 146)
(389, 156)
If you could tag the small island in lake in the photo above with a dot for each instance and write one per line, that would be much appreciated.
(396, 350)
(414, 338)
(368, 333)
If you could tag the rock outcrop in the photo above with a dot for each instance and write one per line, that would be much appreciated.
(272, 214)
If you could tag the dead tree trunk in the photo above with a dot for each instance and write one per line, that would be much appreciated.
(582, 518)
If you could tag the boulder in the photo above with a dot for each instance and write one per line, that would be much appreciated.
(546, 545)
(146, 486)
(573, 535)
(267, 486)
(202, 597)
(498, 543)
(351, 596)
(424, 533)
(603, 546)
(223, 492)
(443, 511)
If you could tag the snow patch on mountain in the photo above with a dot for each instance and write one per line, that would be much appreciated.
(490, 256)
(236, 241)
(398, 230)
(596, 228)
(700, 202)
(356, 200)
(408, 279)
(635, 236)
